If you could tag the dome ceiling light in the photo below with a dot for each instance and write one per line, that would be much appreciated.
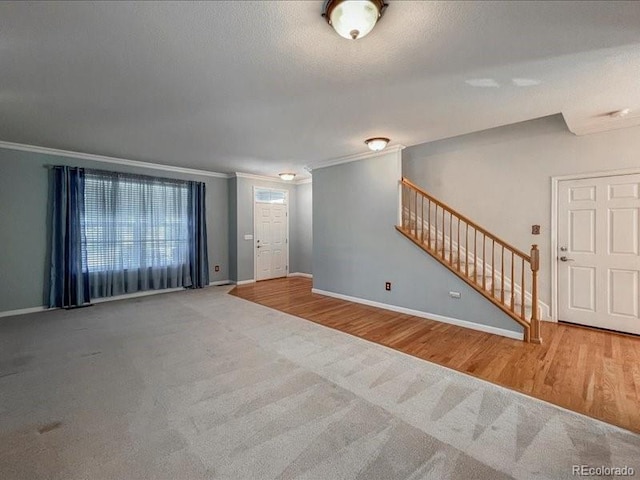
(353, 19)
(377, 143)
(620, 113)
(287, 176)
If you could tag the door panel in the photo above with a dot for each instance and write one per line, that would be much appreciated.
(599, 252)
(271, 240)
(623, 231)
(624, 288)
(628, 190)
(582, 286)
(582, 230)
(263, 241)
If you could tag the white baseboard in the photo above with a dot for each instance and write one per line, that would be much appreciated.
(300, 274)
(545, 313)
(144, 293)
(25, 311)
(429, 316)
(245, 282)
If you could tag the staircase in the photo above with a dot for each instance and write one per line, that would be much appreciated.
(504, 275)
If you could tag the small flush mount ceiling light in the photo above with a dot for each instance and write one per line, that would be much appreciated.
(353, 19)
(287, 176)
(620, 113)
(377, 143)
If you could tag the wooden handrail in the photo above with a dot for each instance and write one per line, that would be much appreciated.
(413, 225)
(465, 219)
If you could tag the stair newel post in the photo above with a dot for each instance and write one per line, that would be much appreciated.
(535, 321)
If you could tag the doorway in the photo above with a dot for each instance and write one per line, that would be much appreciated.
(598, 257)
(271, 233)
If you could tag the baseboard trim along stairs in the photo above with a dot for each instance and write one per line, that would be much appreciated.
(506, 276)
(429, 316)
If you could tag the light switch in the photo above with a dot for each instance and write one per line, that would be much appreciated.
(248, 236)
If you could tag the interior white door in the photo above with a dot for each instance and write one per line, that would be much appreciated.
(598, 257)
(271, 240)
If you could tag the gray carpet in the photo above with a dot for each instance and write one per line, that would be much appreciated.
(200, 384)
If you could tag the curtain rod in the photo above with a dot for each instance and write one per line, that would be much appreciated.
(115, 172)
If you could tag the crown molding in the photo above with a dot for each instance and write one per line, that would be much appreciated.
(356, 157)
(265, 178)
(105, 159)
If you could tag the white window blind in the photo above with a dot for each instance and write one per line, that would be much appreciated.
(134, 222)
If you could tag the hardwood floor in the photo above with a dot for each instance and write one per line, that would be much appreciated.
(589, 371)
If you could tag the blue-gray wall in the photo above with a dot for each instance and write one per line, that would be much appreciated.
(24, 193)
(356, 248)
(302, 227)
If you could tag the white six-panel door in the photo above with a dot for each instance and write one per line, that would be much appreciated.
(270, 240)
(599, 255)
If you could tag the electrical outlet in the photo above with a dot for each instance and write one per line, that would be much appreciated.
(217, 268)
(535, 229)
(387, 286)
(454, 294)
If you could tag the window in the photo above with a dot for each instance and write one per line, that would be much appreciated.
(135, 222)
(267, 195)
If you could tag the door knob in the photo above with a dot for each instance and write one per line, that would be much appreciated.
(563, 249)
(565, 259)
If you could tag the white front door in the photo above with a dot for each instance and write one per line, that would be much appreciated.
(270, 240)
(598, 252)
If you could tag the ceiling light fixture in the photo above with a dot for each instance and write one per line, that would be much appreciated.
(620, 113)
(377, 143)
(287, 176)
(353, 19)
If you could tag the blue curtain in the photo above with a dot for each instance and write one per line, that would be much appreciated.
(69, 277)
(137, 233)
(116, 233)
(198, 257)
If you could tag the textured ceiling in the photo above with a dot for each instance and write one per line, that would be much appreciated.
(263, 87)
